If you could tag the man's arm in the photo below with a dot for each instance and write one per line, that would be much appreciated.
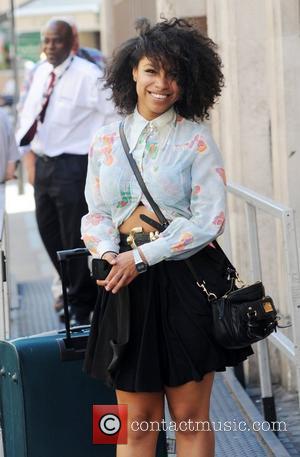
(29, 162)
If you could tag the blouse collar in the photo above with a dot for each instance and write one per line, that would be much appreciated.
(161, 124)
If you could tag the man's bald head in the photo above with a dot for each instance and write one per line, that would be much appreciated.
(57, 41)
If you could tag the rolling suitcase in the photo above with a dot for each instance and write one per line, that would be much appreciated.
(46, 399)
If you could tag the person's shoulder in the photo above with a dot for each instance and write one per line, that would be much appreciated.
(41, 67)
(195, 133)
(190, 127)
(107, 130)
(85, 67)
(104, 139)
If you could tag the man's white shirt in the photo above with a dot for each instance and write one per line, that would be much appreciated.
(77, 108)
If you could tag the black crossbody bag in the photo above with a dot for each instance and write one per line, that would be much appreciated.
(243, 315)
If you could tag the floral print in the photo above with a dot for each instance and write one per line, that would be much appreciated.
(91, 242)
(187, 180)
(152, 149)
(93, 219)
(221, 172)
(184, 240)
(219, 219)
(106, 149)
(196, 191)
(126, 198)
(199, 142)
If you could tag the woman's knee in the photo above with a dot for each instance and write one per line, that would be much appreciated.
(145, 414)
(144, 425)
(190, 420)
(190, 403)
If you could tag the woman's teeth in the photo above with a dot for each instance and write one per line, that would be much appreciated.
(158, 96)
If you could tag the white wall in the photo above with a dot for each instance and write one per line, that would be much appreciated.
(180, 8)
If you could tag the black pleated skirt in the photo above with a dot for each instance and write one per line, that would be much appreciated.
(157, 331)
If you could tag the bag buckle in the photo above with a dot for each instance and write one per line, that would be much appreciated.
(239, 280)
(251, 313)
(210, 295)
(131, 237)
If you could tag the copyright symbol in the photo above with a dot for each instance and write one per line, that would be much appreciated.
(109, 424)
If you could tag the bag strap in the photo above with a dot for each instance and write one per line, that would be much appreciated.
(164, 222)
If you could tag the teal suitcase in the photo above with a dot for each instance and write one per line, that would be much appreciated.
(46, 403)
(45, 398)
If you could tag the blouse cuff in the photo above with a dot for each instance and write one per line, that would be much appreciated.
(155, 251)
(105, 246)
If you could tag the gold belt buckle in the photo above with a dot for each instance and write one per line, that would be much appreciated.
(154, 235)
(131, 237)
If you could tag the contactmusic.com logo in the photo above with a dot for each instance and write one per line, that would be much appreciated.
(110, 424)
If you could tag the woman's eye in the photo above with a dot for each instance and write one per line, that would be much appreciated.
(150, 70)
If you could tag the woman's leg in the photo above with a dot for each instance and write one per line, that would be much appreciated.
(143, 407)
(189, 408)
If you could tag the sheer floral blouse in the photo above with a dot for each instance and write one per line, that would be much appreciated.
(183, 170)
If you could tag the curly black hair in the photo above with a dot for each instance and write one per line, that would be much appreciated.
(176, 46)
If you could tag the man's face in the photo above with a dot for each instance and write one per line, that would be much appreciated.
(57, 44)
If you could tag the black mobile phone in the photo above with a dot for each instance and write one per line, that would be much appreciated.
(100, 268)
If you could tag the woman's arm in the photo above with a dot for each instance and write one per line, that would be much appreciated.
(184, 236)
(97, 228)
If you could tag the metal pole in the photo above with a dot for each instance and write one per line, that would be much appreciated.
(267, 397)
(13, 55)
(293, 290)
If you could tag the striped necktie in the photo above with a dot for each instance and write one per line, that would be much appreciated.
(30, 134)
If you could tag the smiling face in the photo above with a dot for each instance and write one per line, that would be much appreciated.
(157, 89)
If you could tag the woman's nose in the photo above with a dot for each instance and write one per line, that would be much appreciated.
(162, 81)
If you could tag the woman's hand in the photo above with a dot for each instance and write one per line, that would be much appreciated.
(122, 272)
(110, 258)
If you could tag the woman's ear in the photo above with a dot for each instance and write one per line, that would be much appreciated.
(134, 74)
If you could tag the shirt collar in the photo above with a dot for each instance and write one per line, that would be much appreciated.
(139, 123)
(62, 67)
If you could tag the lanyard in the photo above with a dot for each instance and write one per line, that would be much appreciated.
(58, 78)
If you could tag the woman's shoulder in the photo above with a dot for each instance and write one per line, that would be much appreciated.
(107, 130)
(104, 139)
(188, 129)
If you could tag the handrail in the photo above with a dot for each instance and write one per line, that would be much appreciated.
(4, 305)
(259, 201)
(289, 347)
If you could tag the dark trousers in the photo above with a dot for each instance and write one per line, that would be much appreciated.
(60, 205)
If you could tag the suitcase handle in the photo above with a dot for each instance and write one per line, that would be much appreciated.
(63, 258)
(69, 253)
(76, 329)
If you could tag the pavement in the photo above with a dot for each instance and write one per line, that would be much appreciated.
(31, 276)
(288, 411)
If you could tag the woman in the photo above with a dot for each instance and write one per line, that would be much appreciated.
(153, 315)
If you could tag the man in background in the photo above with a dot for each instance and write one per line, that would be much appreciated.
(91, 54)
(64, 107)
